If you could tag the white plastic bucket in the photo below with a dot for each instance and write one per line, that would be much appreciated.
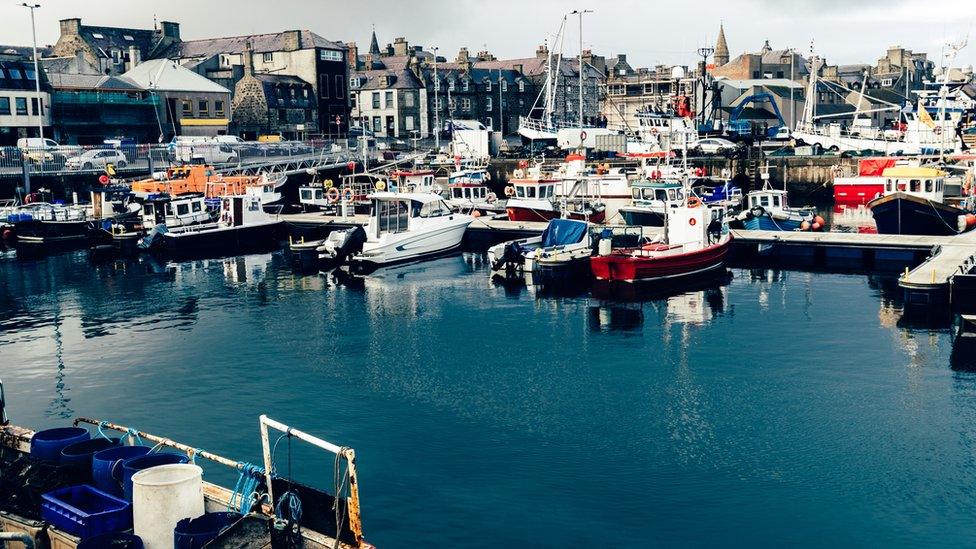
(161, 497)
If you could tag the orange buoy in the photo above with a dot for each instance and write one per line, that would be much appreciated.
(816, 226)
(476, 214)
(819, 220)
(804, 225)
(970, 220)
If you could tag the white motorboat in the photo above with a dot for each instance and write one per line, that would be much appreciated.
(403, 227)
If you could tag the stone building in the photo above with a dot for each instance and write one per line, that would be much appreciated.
(390, 103)
(273, 104)
(902, 69)
(631, 91)
(114, 50)
(302, 54)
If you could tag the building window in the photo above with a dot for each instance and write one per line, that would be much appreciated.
(521, 86)
(340, 89)
(330, 55)
(408, 99)
(14, 74)
(377, 124)
(488, 86)
(309, 115)
(755, 75)
(618, 89)
(388, 104)
(117, 57)
(324, 86)
(203, 108)
(21, 105)
(34, 106)
(504, 85)
(465, 86)
(437, 85)
(488, 104)
(465, 104)
(887, 82)
(218, 108)
(408, 123)
(4, 105)
(450, 85)
(267, 57)
(187, 108)
(438, 103)
(282, 116)
(376, 100)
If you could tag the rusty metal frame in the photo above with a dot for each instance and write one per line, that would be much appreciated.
(353, 509)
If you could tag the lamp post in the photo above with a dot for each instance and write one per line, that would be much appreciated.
(704, 53)
(37, 72)
(580, 13)
(437, 106)
(792, 81)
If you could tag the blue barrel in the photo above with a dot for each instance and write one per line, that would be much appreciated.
(197, 532)
(107, 461)
(79, 455)
(112, 541)
(47, 445)
(136, 464)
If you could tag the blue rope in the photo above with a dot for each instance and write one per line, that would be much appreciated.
(102, 433)
(242, 498)
(294, 507)
(134, 434)
(193, 455)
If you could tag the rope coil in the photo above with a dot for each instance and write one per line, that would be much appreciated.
(245, 494)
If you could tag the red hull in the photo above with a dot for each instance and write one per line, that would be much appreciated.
(531, 214)
(858, 193)
(621, 266)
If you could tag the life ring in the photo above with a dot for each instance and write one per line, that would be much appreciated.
(510, 191)
(518, 174)
(332, 195)
(347, 194)
(937, 130)
(692, 221)
(492, 198)
(694, 202)
(380, 185)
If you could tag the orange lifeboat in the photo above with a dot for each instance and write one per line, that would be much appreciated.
(197, 179)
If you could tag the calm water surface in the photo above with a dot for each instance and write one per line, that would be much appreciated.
(784, 408)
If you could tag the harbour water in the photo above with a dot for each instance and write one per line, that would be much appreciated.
(781, 408)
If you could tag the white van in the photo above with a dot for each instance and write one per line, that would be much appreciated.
(201, 149)
(229, 139)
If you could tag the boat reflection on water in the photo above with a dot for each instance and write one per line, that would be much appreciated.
(658, 289)
(963, 355)
(852, 218)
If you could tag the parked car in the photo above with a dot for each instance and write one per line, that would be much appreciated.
(96, 159)
(716, 145)
(358, 131)
(229, 139)
(38, 150)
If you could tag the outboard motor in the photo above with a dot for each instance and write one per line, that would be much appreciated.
(340, 246)
(513, 257)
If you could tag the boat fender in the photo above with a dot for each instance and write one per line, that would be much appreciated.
(694, 202)
(492, 198)
(509, 191)
(332, 195)
(816, 226)
(819, 220)
(805, 225)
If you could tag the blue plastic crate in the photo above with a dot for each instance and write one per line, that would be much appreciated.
(85, 511)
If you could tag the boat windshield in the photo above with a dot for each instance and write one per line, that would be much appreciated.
(392, 216)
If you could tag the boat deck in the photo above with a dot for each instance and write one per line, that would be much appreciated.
(853, 240)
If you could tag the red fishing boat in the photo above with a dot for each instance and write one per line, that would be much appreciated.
(696, 241)
(864, 187)
(536, 200)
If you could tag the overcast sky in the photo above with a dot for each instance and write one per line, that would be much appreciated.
(845, 31)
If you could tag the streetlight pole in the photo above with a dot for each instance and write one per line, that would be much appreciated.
(437, 106)
(501, 107)
(792, 82)
(704, 53)
(37, 73)
(580, 13)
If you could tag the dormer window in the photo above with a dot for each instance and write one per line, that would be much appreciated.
(488, 85)
(465, 87)
(128, 37)
(117, 57)
(521, 86)
(267, 57)
(504, 85)
(98, 36)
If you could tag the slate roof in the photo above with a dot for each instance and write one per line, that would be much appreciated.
(103, 39)
(64, 81)
(260, 43)
(26, 52)
(167, 75)
(405, 80)
(20, 67)
(274, 82)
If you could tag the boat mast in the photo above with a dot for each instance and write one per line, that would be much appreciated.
(580, 13)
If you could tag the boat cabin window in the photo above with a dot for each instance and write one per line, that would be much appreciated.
(775, 201)
(530, 192)
(902, 185)
(182, 209)
(680, 193)
(428, 180)
(169, 208)
(889, 186)
(916, 186)
(434, 209)
(671, 195)
(938, 185)
(147, 209)
(391, 215)
(319, 194)
(196, 206)
(928, 185)
(456, 192)
(764, 200)
(306, 194)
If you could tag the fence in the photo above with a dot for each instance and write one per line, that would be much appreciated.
(134, 159)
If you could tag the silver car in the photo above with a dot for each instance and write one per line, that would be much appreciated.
(96, 159)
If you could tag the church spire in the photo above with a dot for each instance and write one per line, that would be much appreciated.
(721, 56)
(374, 45)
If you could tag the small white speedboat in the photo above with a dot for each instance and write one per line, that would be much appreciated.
(402, 227)
(564, 246)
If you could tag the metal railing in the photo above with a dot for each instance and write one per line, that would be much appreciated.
(134, 159)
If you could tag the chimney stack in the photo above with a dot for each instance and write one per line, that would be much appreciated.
(135, 57)
(352, 55)
(293, 40)
(542, 51)
(400, 46)
(171, 30)
(70, 27)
